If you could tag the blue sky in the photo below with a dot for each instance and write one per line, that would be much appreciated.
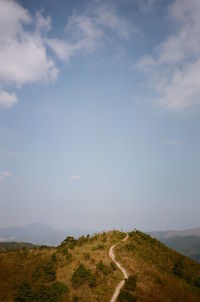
(99, 113)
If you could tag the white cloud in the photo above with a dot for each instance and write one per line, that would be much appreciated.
(4, 175)
(175, 69)
(7, 100)
(106, 16)
(25, 44)
(23, 55)
(86, 31)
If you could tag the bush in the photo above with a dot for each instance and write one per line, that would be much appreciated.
(98, 247)
(70, 242)
(83, 275)
(65, 251)
(24, 293)
(36, 274)
(101, 267)
(43, 293)
(113, 266)
(69, 258)
(92, 280)
(197, 282)
(130, 283)
(178, 269)
(130, 247)
(58, 289)
(82, 240)
(86, 256)
(125, 296)
(49, 271)
(53, 257)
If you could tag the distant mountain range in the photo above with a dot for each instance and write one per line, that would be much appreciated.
(186, 242)
(38, 233)
(172, 233)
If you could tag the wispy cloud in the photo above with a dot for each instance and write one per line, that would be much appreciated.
(174, 70)
(147, 6)
(173, 142)
(4, 175)
(86, 31)
(25, 43)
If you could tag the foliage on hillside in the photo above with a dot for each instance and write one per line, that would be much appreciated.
(162, 274)
(81, 270)
(187, 245)
(77, 270)
(14, 246)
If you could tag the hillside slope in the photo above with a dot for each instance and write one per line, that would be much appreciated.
(187, 245)
(172, 233)
(81, 270)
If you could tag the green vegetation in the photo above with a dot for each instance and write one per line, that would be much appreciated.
(15, 246)
(83, 275)
(130, 283)
(43, 293)
(103, 268)
(187, 245)
(162, 272)
(81, 270)
(126, 296)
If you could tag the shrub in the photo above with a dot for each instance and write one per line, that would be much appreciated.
(65, 251)
(70, 242)
(24, 293)
(82, 240)
(197, 282)
(51, 293)
(83, 275)
(101, 267)
(98, 247)
(130, 283)
(178, 269)
(125, 296)
(53, 257)
(92, 280)
(49, 271)
(36, 274)
(130, 247)
(43, 293)
(86, 256)
(58, 289)
(69, 258)
(113, 266)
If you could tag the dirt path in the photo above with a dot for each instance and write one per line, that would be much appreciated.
(121, 283)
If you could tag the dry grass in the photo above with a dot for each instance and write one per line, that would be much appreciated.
(151, 261)
(153, 264)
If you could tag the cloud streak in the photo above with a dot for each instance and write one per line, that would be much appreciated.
(86, 31)
(4, 175)
(174, 69)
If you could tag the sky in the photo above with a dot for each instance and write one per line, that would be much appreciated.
(100, 113)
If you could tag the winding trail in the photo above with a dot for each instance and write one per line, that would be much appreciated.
(121, 283)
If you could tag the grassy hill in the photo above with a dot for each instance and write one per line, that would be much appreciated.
(187, 245)
(14, 246)
(81, 270)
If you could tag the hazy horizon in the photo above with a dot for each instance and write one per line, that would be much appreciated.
(99, 114)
